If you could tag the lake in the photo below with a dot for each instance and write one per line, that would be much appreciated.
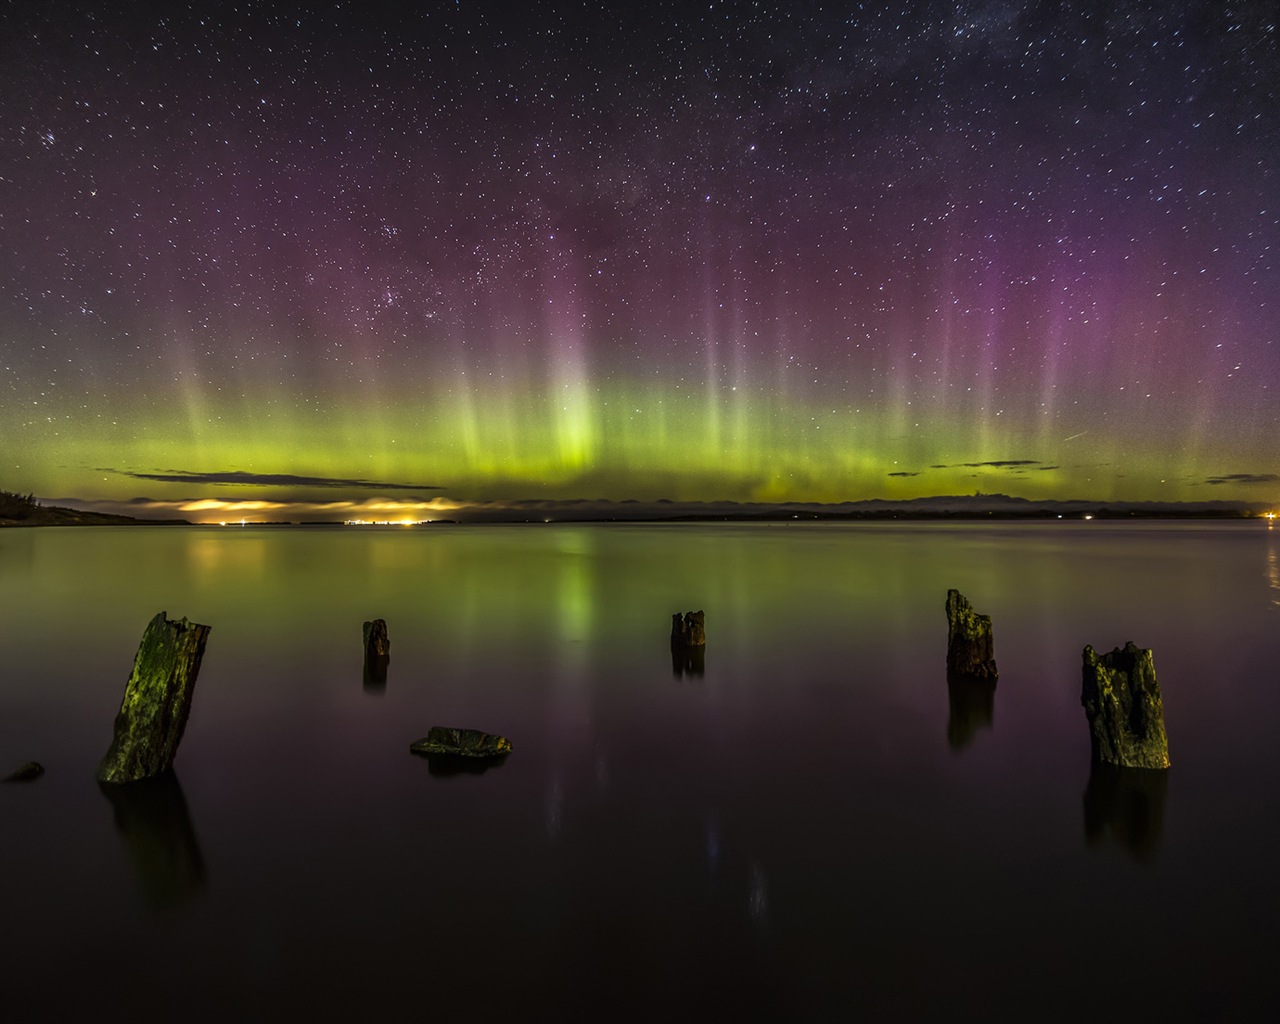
(814, 826)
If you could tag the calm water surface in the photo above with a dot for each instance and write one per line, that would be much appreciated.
(815, 827)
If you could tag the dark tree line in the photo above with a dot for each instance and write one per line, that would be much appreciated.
(17, 506)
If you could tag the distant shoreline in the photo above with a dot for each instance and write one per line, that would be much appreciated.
(54, 515)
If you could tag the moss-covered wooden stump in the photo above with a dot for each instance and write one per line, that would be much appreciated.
(445, 741)
(689, 629)
(1121, 699)
(157, 701)
(970, 647)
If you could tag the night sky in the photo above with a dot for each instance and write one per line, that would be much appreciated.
(413, 257)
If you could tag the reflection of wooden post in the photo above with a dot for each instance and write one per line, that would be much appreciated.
(688, 661)
(1127, 805)
(152, 817)
(970, 648)
(1121, 699)
(157, 700)
(973, 704)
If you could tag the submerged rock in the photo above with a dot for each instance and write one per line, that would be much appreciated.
(689, 629)
(157, 701)
(442, 740)
(1121, 699)
(970, 648)
(29, 771)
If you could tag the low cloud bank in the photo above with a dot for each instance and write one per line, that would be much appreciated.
(237, 478)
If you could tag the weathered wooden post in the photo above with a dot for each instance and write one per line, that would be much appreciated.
(377, 655)
(1121, 699)
(688, 644)
(689, 629)
(376, 642)
(970, 647)
(157, 701)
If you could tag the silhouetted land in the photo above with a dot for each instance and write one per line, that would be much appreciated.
(24, 510)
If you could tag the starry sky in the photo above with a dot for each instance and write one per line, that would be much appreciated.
(271, 256)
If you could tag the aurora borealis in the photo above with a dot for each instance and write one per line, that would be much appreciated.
(275, 255)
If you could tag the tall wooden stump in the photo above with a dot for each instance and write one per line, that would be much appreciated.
(157, 700)
(1121, 699)
(970, 647)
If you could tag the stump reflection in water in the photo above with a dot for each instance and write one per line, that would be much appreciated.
(688, 661)
(973, 704)
(151, 815)
(1125, 805)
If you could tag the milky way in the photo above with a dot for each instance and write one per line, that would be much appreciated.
(471, 251)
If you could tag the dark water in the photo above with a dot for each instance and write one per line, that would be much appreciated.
(815, 827)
